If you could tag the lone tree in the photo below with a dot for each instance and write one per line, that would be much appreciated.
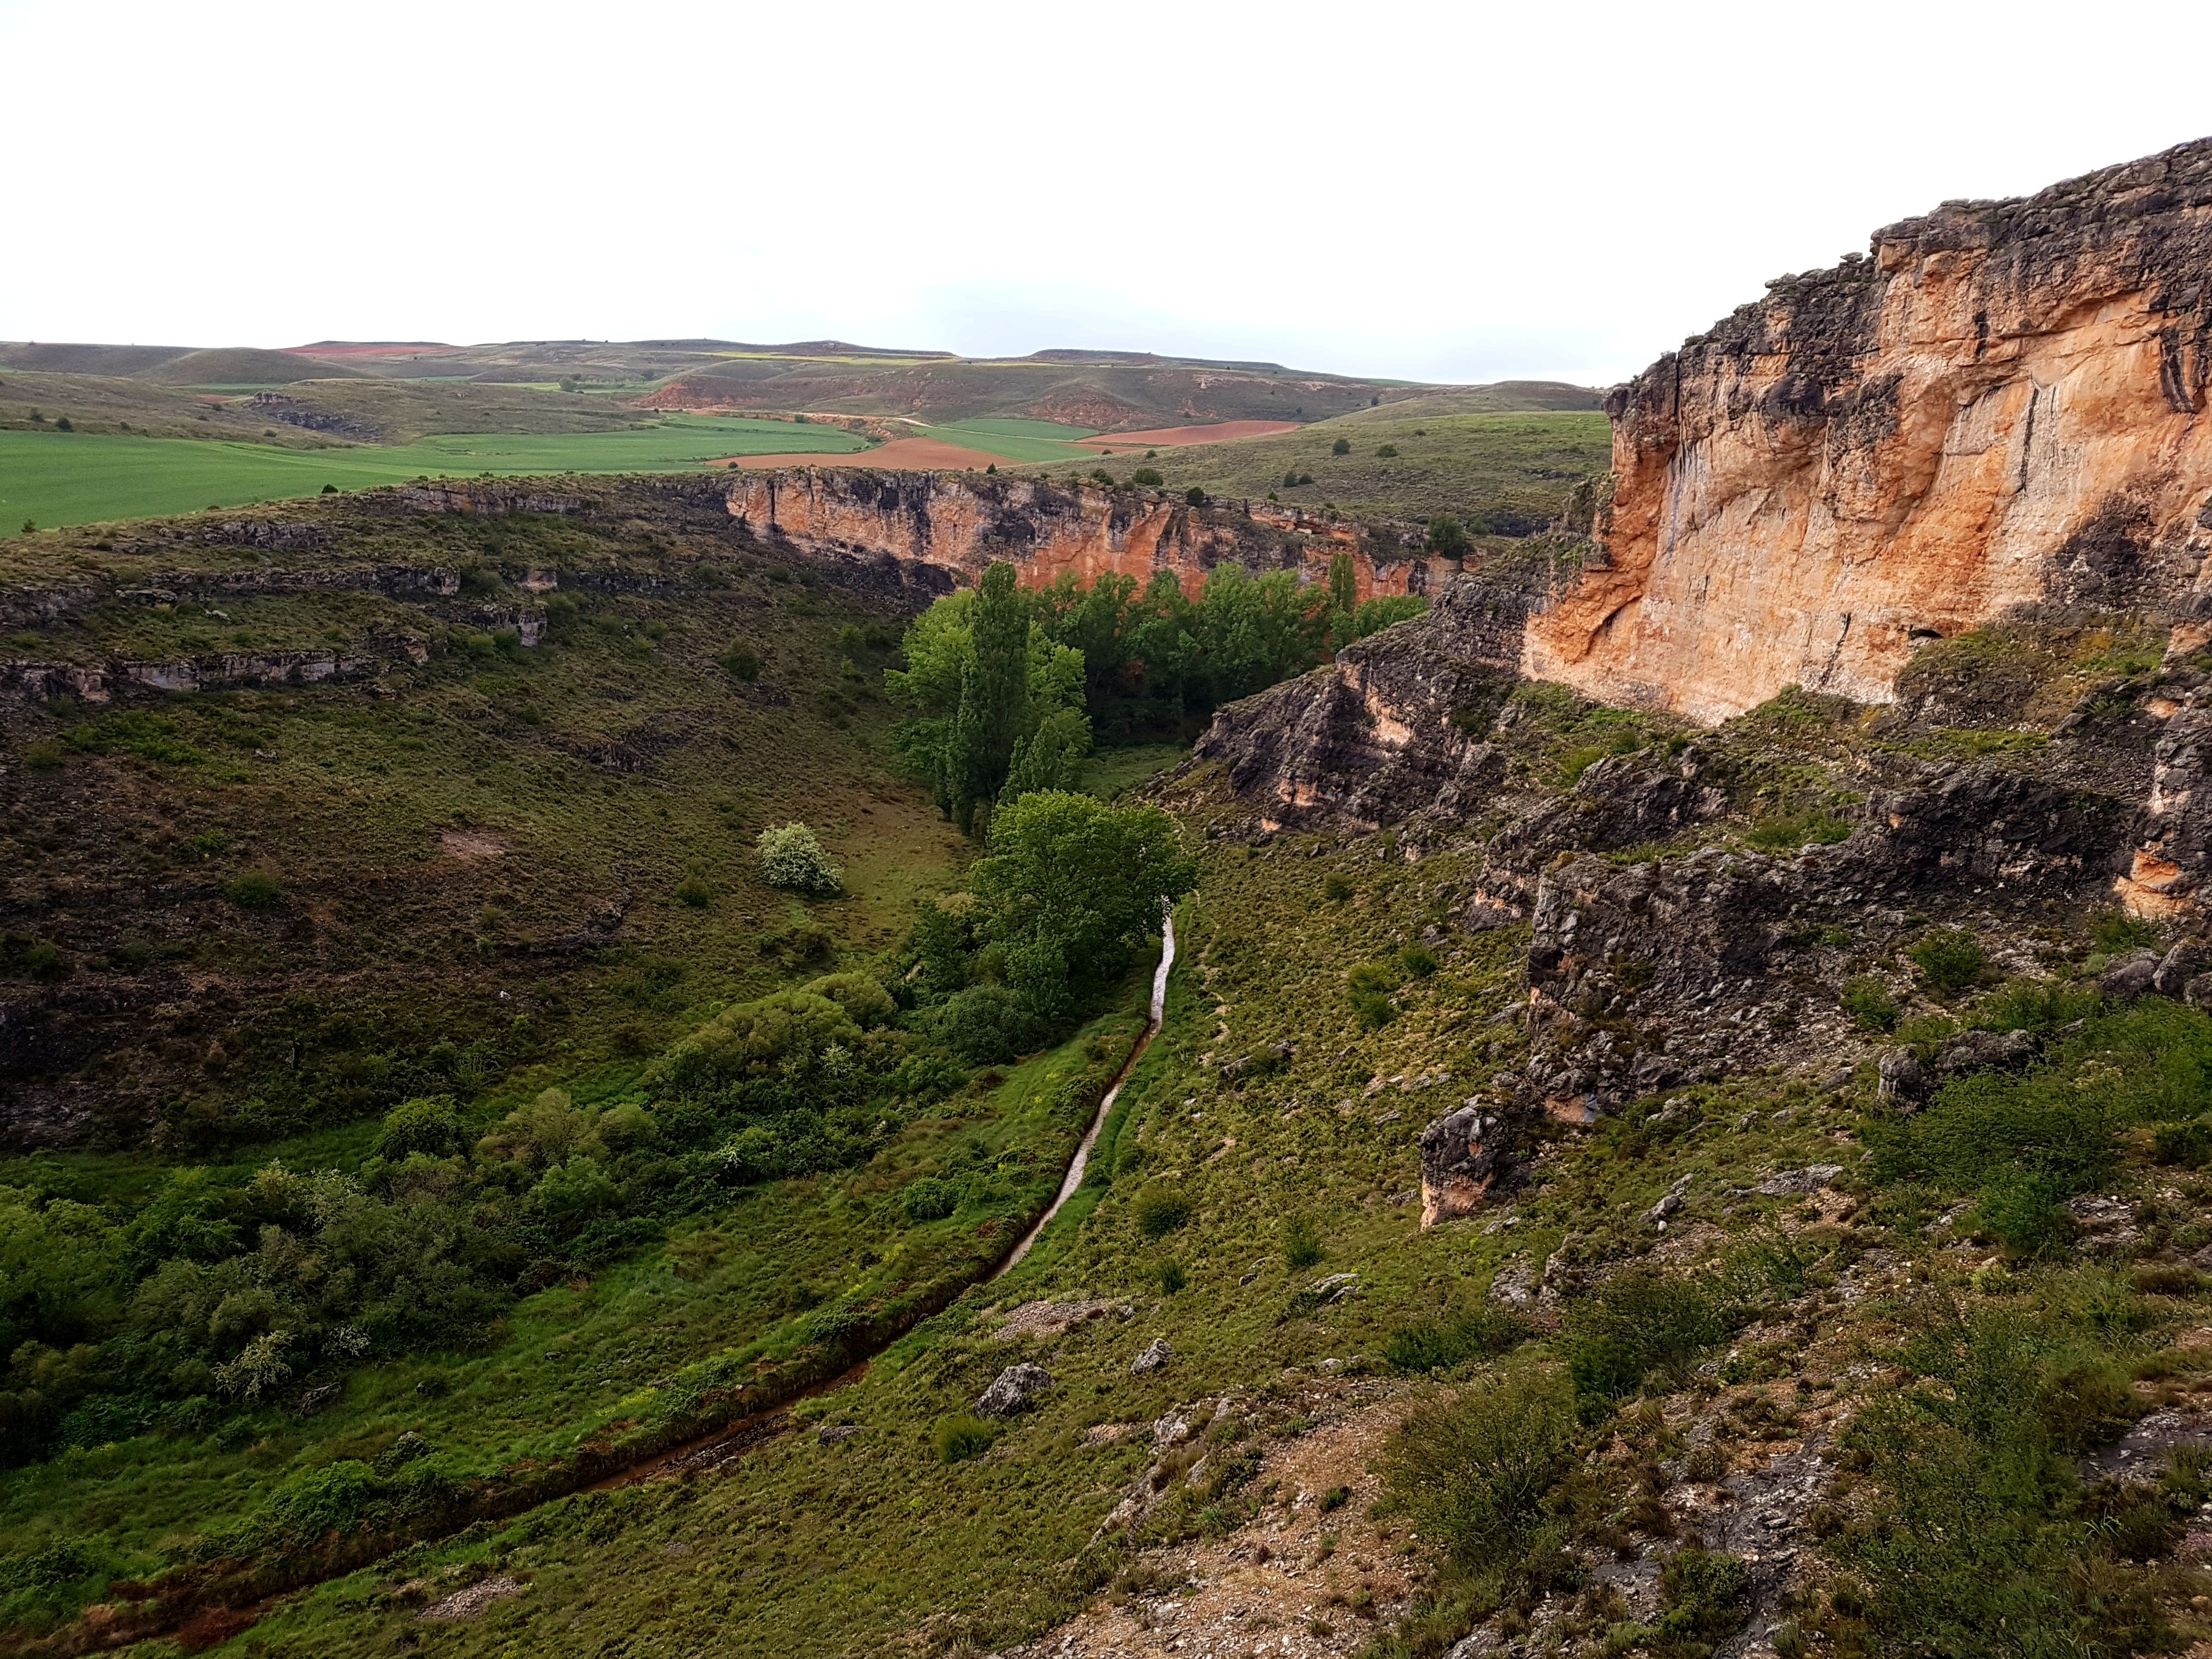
(793, 859)
(1072, 886)
(1343, 585)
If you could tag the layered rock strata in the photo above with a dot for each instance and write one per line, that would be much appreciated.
(963, 524)
(2001, 409)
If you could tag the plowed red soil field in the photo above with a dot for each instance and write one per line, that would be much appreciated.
(1169, 437)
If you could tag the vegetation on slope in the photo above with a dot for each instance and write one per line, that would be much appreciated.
(1502, 474)
(1963, 1378)
(203, 1338)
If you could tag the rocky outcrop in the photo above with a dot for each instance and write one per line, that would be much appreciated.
(2001, 409)
(1394, 727)
(1460, 1161)
(963, 523)
(292, 412)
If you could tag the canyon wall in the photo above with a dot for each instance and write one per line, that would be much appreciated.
(962, 523)
(2001, 412)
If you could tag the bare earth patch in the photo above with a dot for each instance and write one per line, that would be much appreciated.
(471, 844)
(1174, 437)
(1298, 1580)
(468, 1603)
(1054, 1318)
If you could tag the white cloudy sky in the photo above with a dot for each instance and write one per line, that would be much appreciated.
(1454, 192)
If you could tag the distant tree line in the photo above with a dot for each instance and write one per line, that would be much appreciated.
(1008, 689)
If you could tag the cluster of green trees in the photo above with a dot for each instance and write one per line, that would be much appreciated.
(212, 1298)
(1008, 689)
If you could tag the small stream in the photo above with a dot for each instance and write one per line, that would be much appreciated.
(1083, 1152)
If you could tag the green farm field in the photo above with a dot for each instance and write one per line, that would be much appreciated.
(1033, 442)
(56, 478)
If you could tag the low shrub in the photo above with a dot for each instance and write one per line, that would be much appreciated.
(741, 662)
(1977, 1533)
(2115, 930)
(1788, 833)
(2025, 1210)
(1474, 1470)
(1301, 1242)
(929, 1199)
(986, 1024)
(1373, 1009)
(1160, 1210)
(253, 891)
(1951, 957)
(963, 1436)
(2187, 1146)
(1868, 1001)
(430, 1125)
(1640, 1321)
(1484, 1333)
(1705, 1593)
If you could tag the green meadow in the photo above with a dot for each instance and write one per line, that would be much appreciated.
(1012, 439)
(53, 478)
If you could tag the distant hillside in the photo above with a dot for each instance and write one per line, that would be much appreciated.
(1104, 392)
(244, 366)
(1496, 467)
(30, 354)
(1099, 390)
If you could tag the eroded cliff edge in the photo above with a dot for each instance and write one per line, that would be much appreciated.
(2001, 411)
(962, 523)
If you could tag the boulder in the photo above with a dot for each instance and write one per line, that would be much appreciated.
(1513, 1287)
(1015, 1390)
(1154, 1357)
(2130, 977)
(1796, 1183)
(1904, 1079)
(1671, 1203)
(2183, 963)
(1983, 1051)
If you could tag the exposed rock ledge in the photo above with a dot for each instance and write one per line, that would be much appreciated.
(963, 524)
(2002, 407)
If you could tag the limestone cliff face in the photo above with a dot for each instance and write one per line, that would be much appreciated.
(963, 524)
(2003, 410)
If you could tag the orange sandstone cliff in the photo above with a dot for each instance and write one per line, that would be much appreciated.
(961, 523)
(2002, 411)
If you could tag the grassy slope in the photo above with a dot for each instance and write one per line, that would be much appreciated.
(617, 755)
(847, 1548)
(1511, 470)
(820, 1550)
(346, 797)
(576, 1364)
(83, 477)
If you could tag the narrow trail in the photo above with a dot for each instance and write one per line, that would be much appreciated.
(1074, 1179)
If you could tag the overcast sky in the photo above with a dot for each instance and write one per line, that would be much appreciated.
(1451, 192)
